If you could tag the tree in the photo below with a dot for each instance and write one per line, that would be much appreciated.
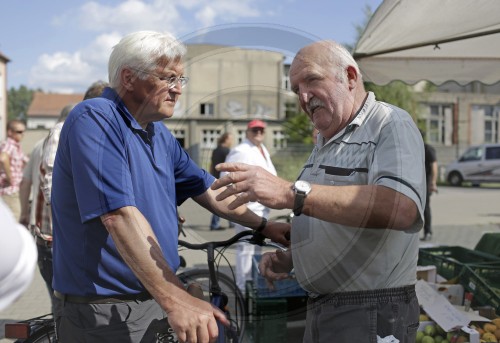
(396, 93)
(18, 102)
(298, 128)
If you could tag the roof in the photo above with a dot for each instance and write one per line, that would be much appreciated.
(4, 58)
(51, 104)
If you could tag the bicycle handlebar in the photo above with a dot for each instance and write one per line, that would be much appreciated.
(257, 239)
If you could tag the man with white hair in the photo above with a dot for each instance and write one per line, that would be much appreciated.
(119, 175)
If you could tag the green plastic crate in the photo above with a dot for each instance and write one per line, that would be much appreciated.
(483, 288)
(268, 317)
(449, 260)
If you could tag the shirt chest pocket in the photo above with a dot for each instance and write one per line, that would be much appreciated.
(334, 176)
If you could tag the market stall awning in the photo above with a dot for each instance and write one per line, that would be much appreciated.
(433, 40)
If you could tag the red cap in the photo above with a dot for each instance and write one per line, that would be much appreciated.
(256, 123)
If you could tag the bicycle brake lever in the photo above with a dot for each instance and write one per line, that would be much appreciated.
(257, 238)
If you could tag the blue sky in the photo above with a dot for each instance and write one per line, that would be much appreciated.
(63, 46)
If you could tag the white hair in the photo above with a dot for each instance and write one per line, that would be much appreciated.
(142, 50)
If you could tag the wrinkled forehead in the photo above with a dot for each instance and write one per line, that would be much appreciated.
(168, 64)
(306, 63)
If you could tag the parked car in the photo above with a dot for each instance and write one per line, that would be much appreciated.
(478, 164)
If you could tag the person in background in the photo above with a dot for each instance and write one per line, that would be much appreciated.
(358, 205)
(12, 162)
(119, 175)
(18, 256)
(40, 229)
(30, 183)
(431, 174)
(219, 154)
(251, 151)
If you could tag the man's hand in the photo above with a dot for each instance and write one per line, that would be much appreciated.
(194, 320)
(253, 183)
(275, 266)
(278, 232)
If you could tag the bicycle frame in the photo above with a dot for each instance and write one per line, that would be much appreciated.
(217, 297)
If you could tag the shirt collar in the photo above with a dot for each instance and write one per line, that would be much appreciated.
(359, 118)
(13, 142)
(111, 94)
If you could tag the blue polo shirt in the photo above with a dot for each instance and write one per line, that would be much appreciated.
(106, 161)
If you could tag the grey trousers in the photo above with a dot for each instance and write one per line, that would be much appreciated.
(361, 316)
(133, 321)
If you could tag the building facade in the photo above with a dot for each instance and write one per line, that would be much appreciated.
(45, 109)
(456, 117)
(228, 87)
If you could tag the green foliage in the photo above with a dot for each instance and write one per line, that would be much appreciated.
(18, 102)
(298, 129)
(398, 94)
(289, 162)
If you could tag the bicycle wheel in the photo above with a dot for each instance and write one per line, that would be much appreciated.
(236, 302)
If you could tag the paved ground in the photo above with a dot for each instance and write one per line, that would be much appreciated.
(461, 216)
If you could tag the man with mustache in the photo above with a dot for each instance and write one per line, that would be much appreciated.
(358, 205)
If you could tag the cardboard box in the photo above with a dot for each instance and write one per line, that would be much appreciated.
(442, 312)
(438, 308)
(427, 273)
(454, 293)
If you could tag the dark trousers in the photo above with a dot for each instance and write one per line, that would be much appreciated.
(362, 316)
(427, 214)
(131, 322)
(45, 266)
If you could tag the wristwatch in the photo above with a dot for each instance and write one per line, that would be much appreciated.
(301, 189)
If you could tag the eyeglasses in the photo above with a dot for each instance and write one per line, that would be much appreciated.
(257, 130)
(171, 81)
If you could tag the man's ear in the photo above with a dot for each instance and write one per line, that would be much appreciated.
(127, 78)
(352, 77)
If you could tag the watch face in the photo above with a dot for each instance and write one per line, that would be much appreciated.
(302, 186)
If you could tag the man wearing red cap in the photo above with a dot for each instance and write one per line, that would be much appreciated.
(251, 151)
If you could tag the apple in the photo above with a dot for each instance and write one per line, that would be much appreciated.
(430, 330)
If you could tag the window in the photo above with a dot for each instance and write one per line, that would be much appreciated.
(279, 139)
(241, 135)
(209, 138)
(493, 153)
(491, 120)
(437, 123)
(180, 135)
(473, 154)
(207, 109)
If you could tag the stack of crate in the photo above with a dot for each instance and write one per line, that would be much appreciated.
(270, 310)
(477, 271)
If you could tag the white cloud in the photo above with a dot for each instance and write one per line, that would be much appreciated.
(129, 16)
(60, 71)
(76, 70)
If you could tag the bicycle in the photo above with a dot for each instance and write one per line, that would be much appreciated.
(219, 288)
(35, 330)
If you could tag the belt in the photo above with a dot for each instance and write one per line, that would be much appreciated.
(101, 299)
(43, 242)
(404, 293)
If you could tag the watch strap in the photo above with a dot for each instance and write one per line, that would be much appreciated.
(298, 203)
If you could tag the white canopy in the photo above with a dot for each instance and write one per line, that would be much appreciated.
(433, 40)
